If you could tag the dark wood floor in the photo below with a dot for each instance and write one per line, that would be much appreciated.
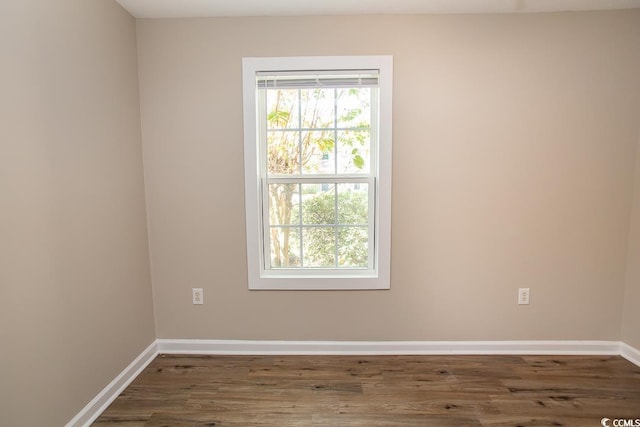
(379, 391)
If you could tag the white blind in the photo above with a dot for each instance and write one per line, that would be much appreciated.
(316, 79)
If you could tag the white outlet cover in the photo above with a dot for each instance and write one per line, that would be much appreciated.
(197, 295)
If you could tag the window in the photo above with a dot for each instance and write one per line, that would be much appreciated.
(318, 171)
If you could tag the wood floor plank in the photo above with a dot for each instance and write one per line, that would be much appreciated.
(186, 390)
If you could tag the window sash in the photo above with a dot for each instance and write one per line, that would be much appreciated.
(267, 226)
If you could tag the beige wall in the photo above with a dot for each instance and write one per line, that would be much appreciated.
(75, 295)
(514, 152)
(631, 318)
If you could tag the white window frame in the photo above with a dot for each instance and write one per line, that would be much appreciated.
(261, 278)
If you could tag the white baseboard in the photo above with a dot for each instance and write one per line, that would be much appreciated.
(98, 404)
(243, 347)
(630, 353)
(233, 347)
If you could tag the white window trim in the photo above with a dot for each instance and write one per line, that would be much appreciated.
(380, 277)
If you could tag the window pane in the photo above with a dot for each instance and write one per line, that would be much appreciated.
(282, 109)
(285, 247)
(283, 152)
(318, 204)
(353, 204)
(318, 152)
(284, 204)
(317, 107)
(353, 247)
(353, 152)
(354, 107)
(319, 247)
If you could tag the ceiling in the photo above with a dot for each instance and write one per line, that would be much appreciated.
(210, 8)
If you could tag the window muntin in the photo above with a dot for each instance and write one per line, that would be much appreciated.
(335, 231)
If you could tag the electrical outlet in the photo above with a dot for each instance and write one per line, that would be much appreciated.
(523, 296)
(198, 295)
